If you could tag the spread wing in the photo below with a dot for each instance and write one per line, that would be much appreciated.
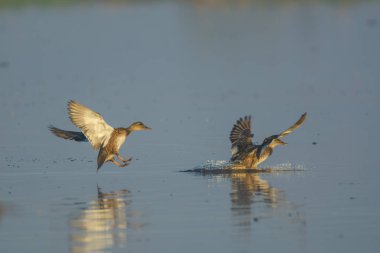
(241, 139)
(241, 131)
(68, 135)
(295, 126)
(92, 124)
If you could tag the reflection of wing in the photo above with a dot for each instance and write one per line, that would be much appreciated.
(69, 135)
(91, 123)
(241, 138)
(295, 126)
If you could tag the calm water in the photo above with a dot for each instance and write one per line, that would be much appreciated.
(189, 70)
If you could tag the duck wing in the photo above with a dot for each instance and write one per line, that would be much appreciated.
(68, 135)
(241, 139)
(294, 126)
(92, 124)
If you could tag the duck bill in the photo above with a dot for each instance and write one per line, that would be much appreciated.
(147, 128)
(280, 142)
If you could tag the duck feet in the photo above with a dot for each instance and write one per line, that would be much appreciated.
(119, 164)
(122, 158)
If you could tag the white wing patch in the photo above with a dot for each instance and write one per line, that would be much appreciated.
(92, 124)
(234, 149)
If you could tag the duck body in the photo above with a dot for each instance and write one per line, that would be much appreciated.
(112, 146)
(249, 155)
(95, 130)
(251, 161)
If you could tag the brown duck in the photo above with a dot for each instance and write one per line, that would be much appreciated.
(96, 130)
(249, 155)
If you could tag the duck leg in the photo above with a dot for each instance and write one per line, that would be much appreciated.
(122, 159)
(118, 164)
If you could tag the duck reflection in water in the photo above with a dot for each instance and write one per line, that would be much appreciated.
(253, 199)
(248, 188)
(102, 225)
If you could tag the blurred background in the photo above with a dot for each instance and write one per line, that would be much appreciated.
(189, 70)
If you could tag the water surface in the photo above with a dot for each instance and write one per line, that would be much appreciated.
(189, 70)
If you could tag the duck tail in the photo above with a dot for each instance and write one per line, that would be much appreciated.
(102, 156)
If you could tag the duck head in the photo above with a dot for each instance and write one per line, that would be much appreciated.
(271, 142)
(138, 126)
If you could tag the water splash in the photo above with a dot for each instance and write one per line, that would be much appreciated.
(214, 165)
(288, 167)
(223, 166)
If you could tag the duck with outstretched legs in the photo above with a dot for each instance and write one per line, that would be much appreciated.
(95, 129)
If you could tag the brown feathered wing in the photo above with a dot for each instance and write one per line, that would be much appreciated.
(241, 139)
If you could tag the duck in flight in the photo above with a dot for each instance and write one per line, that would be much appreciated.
(95, 129)
(249, 155)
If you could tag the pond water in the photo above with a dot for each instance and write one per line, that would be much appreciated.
(189, 70)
